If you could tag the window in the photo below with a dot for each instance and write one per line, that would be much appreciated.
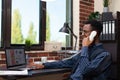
(25, 21)
(0, 21)
(34, 21)
(58, 12)
(21, 21)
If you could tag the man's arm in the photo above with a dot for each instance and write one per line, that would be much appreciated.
(98, 65)
(65, 63)
(95, 66)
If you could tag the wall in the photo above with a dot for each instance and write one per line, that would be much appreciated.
(76, 20)
(86, 7)
(81, 10)
(113, 7)
(35, 56)
(98, 5)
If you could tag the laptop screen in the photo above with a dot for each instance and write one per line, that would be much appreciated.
(15, 57)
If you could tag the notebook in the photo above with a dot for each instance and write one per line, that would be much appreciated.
(15, 58)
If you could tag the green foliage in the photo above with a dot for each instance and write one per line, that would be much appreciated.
(48, 28)
(28, 43)
(31, 33)
(17, 36)
(94, 16)
(106, 3)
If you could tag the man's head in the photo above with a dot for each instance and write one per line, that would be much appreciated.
(92, 25)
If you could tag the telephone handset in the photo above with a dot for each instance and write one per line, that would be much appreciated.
(92, 35)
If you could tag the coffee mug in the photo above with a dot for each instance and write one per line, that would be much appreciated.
(43, 59)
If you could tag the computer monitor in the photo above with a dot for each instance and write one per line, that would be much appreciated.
(15, 58)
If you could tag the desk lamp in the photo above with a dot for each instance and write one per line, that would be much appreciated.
(68, 30)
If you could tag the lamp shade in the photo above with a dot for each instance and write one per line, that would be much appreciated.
(64, 28)
(67, 29)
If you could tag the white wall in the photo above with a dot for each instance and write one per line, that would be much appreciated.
(98, 5)
(113, 7)
(76, 20)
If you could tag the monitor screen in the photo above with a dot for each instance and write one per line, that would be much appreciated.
(15, 57)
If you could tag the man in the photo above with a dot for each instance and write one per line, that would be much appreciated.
(93, 61)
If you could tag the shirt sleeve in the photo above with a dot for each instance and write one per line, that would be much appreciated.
(84, 52)
(96, 66)
(58, 64)
(93, 67)
(65, 63)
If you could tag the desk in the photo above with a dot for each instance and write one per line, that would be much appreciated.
(43, 74)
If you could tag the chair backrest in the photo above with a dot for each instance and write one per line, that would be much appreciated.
(112, 48)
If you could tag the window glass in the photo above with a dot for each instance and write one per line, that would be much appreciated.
(55, 18)
(25, 21)
(0, 20)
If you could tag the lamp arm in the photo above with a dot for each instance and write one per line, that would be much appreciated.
(74, 36)
(75, 43)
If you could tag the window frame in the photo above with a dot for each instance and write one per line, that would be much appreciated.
(6, 27)
(69, 20)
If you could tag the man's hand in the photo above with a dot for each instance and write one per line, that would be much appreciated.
(86, 41)
(35, 66)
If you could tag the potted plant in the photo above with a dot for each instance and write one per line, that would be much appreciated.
(94, 16)
(106, 5)
(27, 44)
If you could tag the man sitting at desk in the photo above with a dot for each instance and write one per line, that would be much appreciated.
(92, 60)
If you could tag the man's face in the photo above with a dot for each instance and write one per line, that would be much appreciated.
(87, 29)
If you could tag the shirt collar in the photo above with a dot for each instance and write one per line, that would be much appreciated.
(96, 45)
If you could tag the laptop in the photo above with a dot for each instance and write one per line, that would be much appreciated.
(15, 59)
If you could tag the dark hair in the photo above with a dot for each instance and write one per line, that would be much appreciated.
(96, 25)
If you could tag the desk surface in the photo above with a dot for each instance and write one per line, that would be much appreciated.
(37, 73)
(46, 71)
